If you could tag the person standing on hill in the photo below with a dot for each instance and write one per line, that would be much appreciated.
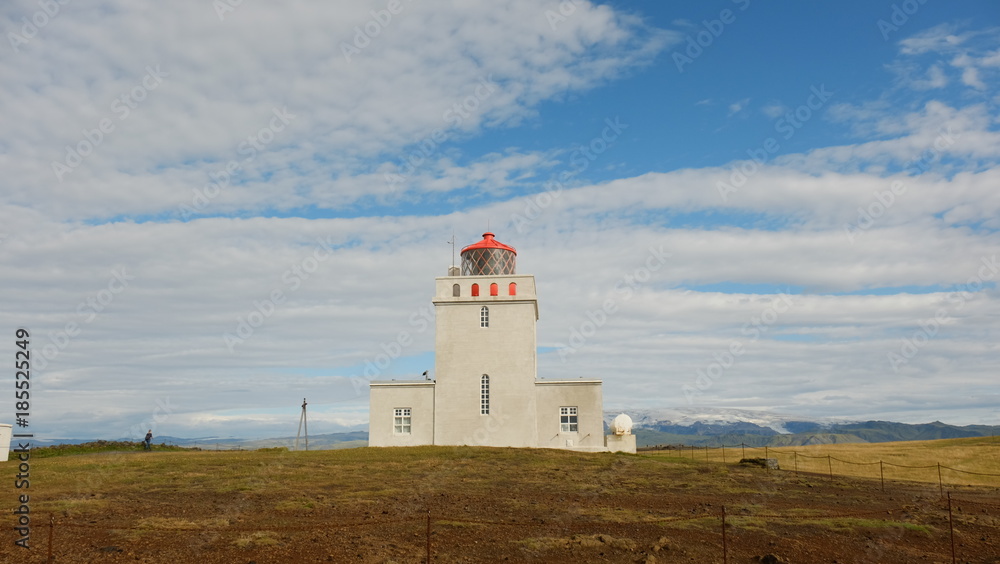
(149, 439)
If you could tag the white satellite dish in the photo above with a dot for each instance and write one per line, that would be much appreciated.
(621, 425)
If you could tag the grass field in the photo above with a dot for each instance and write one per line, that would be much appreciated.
(489, 505)
(975, 455)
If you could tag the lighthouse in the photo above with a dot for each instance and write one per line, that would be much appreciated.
(485, 389)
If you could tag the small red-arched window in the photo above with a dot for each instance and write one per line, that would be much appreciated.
(512, 289)
(494, 289)
(475, 290)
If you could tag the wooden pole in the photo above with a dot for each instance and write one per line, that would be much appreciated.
(723, 454)
(725, 550)
(428, 536)
(940, 482)
(51, 526)
(829, 462)
(795, 457)
(951, 529)
(881, 474)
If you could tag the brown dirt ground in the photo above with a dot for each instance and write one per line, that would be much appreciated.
(486, 505)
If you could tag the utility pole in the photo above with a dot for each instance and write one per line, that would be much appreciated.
(303, 425)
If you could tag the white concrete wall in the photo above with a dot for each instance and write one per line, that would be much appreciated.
(505, 351)
(386, 396)
(620, 443)
(586, 396)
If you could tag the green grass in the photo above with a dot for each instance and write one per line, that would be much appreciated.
(99, 447)
(979, 455)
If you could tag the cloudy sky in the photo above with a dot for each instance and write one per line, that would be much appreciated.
(210, 210)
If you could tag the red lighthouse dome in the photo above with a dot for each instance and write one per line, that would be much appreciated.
(488, 257)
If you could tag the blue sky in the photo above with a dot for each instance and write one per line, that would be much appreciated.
(813, 182)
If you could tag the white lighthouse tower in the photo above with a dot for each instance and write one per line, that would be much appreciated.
(485, 389)
(486, 335)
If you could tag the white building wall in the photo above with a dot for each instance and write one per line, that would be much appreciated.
(386, 396)
(524, 411)
(587, 397)
(505, 351)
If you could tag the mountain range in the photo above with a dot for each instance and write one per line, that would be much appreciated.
(714, 427)
(677, 426)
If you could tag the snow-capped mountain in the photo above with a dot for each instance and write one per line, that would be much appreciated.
(723, 420)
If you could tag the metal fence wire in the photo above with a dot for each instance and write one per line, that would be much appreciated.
(432, 521)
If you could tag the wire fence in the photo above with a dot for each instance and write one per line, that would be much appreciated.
(814, 464)
(720, 521)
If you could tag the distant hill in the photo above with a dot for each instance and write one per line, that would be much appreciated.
(684, 426)
(719, 427)
(316, 442)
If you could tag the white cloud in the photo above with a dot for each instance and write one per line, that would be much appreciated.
(774, 110)
(160, 339)
(737, 107)
(478, 67)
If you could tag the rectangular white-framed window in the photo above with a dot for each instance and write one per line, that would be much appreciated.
(484, 395)
(568, 420)
(401, 421)
(484, 317)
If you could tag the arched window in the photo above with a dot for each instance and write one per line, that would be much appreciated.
(484, 317)
(484, 395)
(475, 290)
(494, 289)
(456, 290)
(512, 289)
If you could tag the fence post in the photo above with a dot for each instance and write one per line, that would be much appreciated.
(50, 559)
(767, 467)
(951, 529)
(829, 462)
(428, 536)
(881, 474)
(723, 454)
(706, 453)
(795, 457)
(725, 550)
(940, 483)
(744, 447)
